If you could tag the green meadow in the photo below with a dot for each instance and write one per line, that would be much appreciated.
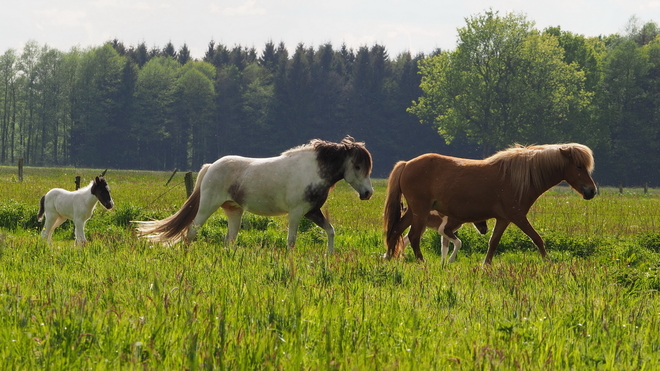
(123, 303)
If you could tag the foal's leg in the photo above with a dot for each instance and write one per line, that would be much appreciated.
(457, 245)
(53, 220)
(319, 219)
(449, 233)
(442, 229)
(80, 231)
(498, 230)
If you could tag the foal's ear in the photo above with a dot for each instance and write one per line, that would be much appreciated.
(96, 180)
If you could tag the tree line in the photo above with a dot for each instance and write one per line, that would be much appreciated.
(135, 107)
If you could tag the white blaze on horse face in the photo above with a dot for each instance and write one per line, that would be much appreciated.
(355, 176)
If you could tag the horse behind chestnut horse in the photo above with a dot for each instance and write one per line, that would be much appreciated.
(296, 183)
(447, 228)
(503, 186)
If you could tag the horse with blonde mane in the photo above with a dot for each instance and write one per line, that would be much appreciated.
(503, 186)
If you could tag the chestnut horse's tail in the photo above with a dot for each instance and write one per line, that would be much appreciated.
(392, 213)
(42, 209)
(175, 227)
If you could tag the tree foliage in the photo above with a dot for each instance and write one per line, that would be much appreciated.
(505, 82)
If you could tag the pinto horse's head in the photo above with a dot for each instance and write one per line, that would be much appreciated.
(101, 190)
(577, 172)
(357, 170)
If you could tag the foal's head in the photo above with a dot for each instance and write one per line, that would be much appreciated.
(101, 190)
(577, 172)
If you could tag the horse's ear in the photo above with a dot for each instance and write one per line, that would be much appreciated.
(96, 180)
(566, 151)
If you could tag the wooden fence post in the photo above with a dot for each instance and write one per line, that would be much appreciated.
(620, 187)
(171, 176)
(20, 169)
(646, 187)
(189, 183)
(77, 182)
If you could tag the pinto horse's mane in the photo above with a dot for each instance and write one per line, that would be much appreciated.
(332, 153)
(529, 166)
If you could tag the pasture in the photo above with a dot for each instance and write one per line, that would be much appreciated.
(123, 303)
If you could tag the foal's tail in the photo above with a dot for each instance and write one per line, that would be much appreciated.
(175, 227)
(392, 213)
(42, 209)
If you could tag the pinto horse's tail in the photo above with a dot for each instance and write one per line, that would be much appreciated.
(175, 227)
(42, 209)
(392, 213)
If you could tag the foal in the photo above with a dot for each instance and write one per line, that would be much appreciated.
(59, 205)
(447, 227)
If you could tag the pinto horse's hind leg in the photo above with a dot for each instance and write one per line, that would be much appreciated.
(319, 219)
(234, 216)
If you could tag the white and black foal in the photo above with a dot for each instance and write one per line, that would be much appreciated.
(59, 205)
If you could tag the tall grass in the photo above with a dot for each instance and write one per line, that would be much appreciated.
(122, 303)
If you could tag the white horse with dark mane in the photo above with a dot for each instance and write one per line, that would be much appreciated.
(296, 183)
(59, 205)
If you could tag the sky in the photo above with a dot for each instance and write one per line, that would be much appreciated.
(417, 26)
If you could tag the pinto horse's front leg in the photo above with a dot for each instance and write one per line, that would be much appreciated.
(294, 221)
(319, 219)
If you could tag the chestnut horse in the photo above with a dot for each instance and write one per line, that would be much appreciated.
(503, 186)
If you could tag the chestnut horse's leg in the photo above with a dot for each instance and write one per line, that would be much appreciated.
(395, 244)
(498, 230)
(527, 228)
(417, 228)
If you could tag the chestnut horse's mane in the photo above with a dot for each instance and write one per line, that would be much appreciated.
(528, 166)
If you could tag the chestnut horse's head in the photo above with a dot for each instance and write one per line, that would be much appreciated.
(577, 172)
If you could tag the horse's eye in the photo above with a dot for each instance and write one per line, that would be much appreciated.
(357, 167)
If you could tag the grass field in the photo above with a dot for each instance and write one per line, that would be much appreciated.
(122, 303)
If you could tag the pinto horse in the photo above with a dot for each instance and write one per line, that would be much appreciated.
(503, 186)
(296, 183)
(58, 205)
(447, 228)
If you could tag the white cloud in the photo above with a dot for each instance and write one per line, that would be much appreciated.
(249, 7)
(61, 18)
